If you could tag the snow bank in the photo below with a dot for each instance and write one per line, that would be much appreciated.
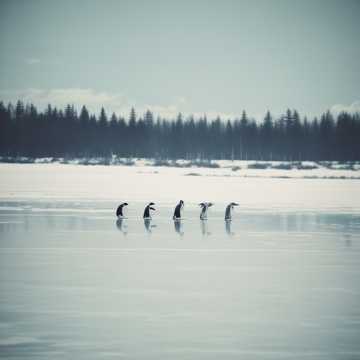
(238, 168)
(167, 185)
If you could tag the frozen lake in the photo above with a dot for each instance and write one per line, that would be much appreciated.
(282, 281)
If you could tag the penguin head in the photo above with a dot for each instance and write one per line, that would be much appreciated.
(181, 202)
(234, 204)
(125, 204)
(151, 203)
(205, 204)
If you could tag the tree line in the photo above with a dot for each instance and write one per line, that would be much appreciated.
(25, 131)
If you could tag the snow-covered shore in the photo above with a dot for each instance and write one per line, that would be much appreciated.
(219, 168)
(266, 189)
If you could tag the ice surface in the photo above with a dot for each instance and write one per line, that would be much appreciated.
(281, 281)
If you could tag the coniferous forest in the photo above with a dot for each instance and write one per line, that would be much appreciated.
(25, 131)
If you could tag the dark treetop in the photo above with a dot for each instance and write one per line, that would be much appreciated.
(24, 131)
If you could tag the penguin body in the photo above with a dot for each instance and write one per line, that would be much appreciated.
(147, 214)
(119, 210)
(204, 208)
(177, 211)
(228, 211)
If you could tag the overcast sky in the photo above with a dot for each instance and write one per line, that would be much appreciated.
(213, 57)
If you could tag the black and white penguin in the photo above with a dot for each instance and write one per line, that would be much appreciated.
(204, 208)
(147, 211)
(119, 211)
(228, 211)
(177, 211)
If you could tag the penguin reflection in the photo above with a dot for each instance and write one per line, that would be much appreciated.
(179, 227)
(148, 225)
(348, 241)
(122, 226)
(204, 228)
(228, 228)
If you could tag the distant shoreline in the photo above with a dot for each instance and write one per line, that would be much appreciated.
(181, 163)
(332, 170)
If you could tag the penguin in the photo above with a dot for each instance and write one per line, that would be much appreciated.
(147, 211)
(177, 211)
(228, 211)
(204, 209)
(119, 211)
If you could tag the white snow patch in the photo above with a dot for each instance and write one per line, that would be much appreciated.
(167, 185)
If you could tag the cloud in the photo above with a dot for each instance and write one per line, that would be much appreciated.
(212, 114)
(180, 105)
(112, 102)
(32, 61)
(352, 108)
(166, 111)
(93, 100)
